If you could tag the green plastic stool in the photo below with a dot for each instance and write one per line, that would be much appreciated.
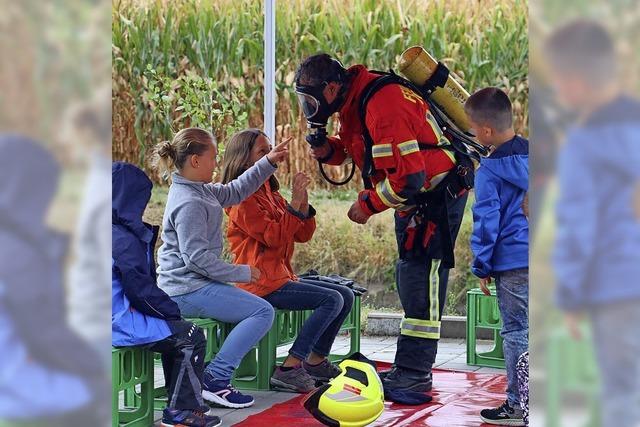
(572, 368)
(257, 366)
(132, 368)
(352, 325)
(483, 312)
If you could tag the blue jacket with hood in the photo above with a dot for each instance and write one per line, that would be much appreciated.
(139, 308)
(500, 239)
(597, 248)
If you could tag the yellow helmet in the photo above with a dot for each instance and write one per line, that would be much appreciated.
(354, 398)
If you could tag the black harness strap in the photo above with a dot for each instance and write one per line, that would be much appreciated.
(374, 86)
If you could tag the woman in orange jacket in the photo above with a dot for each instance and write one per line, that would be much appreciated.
(262, 233)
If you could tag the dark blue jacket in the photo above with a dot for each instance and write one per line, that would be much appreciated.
(597, 250)
(39, 350)
(139, 308)
(500, 239)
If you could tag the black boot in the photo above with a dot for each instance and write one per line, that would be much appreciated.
(406, 379)
(383, 374)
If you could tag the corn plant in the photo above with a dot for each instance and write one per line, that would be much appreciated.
(222, 43)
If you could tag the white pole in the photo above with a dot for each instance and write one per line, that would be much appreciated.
(270, 69)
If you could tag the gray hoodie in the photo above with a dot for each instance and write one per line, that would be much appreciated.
(189, 257)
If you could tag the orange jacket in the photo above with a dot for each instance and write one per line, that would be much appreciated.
(397, 119)
(262, 232)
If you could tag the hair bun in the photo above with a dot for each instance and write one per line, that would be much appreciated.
(167, 149)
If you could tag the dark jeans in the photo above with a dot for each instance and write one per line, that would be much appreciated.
(183, 364)
(330, 303)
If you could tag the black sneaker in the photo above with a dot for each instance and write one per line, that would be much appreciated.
(406, 379)
(323, 372)
(184, 418)
(296, 379)
(504, 415)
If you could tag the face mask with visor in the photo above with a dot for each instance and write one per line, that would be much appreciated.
(315, 107)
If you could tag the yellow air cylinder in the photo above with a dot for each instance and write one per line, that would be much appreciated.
(417, 65)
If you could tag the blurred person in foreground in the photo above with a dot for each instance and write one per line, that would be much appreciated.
(597, 248)
(48, 375)
(88, 125)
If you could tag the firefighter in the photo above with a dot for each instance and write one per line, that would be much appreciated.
(407, 165)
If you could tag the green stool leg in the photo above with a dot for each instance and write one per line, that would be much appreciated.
(355, 332)
(497, 350)
(267, 358)
(471, 329)
(255, 369)
(115, 392)
(134, 367)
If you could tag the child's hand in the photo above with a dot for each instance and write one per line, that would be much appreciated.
(255, 273)
(299, 195)
(280, 152)
(484, 285)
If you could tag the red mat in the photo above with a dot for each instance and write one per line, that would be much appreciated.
(458, 398)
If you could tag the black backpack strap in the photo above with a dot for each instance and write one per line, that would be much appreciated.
(386, 78)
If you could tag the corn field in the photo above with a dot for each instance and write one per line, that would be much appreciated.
(199, 63)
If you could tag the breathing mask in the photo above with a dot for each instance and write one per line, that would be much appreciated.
(315, 107)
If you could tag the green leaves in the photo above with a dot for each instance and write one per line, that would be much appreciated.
(190, 100)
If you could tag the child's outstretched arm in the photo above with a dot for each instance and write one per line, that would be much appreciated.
(246, 184)
(486, 223)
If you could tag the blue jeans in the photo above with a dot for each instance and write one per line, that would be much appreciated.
(229, 304)
(331, 304)
(512, 289)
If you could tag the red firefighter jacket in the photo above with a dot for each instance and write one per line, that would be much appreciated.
(397, 119)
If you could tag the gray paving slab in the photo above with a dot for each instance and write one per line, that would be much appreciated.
(459, 367)
(487, 370)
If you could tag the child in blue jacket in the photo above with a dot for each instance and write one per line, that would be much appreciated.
(142, 314)
(500, 239)
(596, 253)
